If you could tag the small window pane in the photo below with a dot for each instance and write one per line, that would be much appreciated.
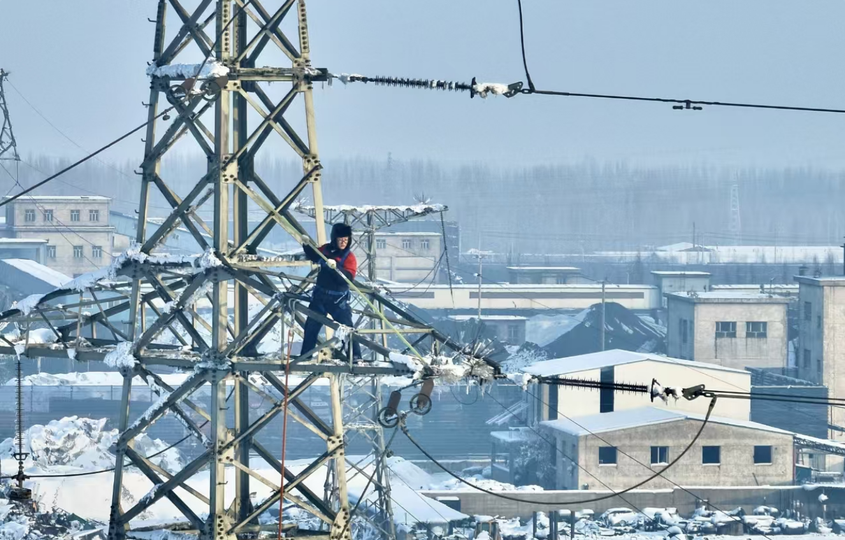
(48, 215)
(424, 243)
(93, 215)
(607, 455)
(726, 329)
(406, 243)
(381, 243)
(808, 311)
(97, 251)
(806, 358)
(29, 215)
(77, 252)
(711, 454)
(756, 329)
(659, 455)
(74, 215)
(51, 252)
(762, 454)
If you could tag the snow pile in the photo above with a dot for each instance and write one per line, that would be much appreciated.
(207, 260)
(121, 356)
(21, 521)
(543, 329)
(39, 336)
(28, 304)
(212, 69)
(83, 443)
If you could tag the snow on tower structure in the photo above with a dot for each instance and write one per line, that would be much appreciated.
(226, 314)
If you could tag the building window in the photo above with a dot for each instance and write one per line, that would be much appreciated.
(381, 243)
(424, 244)
(659, 455)
(808, 311)
(553, 402)
(806, 358)
(725, 329)
(756, 329)
(97, 252)
(818, 322)
(607, 376)
(762, 455)
(711, 455)
(29, 216)
(607, 455)
(93, 215)
(684, 327)
(819, 365)
(513, 333)
(560, 280)
(48, 215)
(51, 252)
(406, 243)
(77, 252)
(74, 215)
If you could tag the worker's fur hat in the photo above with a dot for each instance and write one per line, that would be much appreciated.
(341, 230)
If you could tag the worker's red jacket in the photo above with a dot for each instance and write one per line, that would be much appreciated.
(329, 279)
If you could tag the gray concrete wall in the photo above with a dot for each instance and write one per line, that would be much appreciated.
(737, 467)
(475, 502)
(742, 351)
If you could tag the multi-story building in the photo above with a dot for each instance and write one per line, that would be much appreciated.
(549, 275)
(405, 257)
(76, 228)
(731, 329)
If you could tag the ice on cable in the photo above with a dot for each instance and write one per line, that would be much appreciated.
(484, 89)
(212, 69)
(121, 356)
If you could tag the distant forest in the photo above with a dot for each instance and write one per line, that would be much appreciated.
(540, 209)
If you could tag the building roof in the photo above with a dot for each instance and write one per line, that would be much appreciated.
(66, 198)
(727, 297)
(644, 416)
(22, 241)
(615, 357)
(679, 273)
(37, 270)
(822, 281)
(545, 268)
(488, 317)
(409, 233)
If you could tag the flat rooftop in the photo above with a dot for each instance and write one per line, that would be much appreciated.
(544, 268)
(22, 241)
(488, 317)
(822, 281)
(727, 297)
(614, 357)
(679, 273)
(66, 198)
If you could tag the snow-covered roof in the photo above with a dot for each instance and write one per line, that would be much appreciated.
(37, 270)
(488, 317)
(410, 233)
(823, 281)
(740, 297)
(66, 198)
(513, 435)
(644, 416)
(22, 241)
(545, 268)
(679, 273)
(615, 357)
(755, 287)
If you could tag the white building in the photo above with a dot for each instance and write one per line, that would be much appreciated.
(553, 401)
(626, 447)
(76, 228)
(732, 329)
(406, 257)
(669, 281)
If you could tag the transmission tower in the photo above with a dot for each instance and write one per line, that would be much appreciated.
(736, 216)
(8, 146)
(208, 314)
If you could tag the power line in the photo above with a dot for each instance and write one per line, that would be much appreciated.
(84, 159)
(563, 503)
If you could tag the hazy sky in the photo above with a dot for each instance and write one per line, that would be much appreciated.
(82, 64)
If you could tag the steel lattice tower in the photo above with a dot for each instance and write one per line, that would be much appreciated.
(8, 146)
(208, 314)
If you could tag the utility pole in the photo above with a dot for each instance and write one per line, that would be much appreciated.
(228, 108)
(603, 283)
(480, 258)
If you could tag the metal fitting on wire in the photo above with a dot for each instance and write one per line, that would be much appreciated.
(388, 416)
(421, 403)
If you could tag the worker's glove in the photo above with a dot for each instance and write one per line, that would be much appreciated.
(331, 263)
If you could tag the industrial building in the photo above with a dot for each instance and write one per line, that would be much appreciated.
(547, 275)
(669, 281)
(78, 236)
(406, 257)
(508, 329)
(554, 401)
(619, 449)
(731, 329)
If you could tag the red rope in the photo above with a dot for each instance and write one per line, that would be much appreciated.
(284, 431)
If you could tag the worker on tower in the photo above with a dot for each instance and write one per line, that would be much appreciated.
(331, 294)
